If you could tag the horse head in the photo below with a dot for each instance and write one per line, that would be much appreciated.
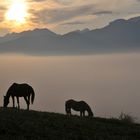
(68, 110)
(90, 114)
(6, 101)
(68, 107)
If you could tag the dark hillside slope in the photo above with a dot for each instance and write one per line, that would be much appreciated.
(32, 125)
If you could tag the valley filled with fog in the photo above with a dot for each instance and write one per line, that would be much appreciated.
(110, 83)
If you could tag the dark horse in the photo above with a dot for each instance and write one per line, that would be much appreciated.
(19, 90)
(78, 106)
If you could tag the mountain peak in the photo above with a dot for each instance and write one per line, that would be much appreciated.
(122, 21)
(135, 19)
(38, 32)
(118, 21)
(34, 32)
(119, 35)
(78, 32)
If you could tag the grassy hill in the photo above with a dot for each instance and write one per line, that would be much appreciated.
(32, 125)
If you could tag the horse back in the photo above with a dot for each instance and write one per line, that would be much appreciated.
(76, 105)
(19, 89)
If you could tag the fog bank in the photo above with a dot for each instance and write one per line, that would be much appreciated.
(109, 83)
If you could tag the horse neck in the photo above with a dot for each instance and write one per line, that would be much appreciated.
(8, 94)
(10, 90)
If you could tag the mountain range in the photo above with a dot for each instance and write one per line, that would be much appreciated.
(118, 36)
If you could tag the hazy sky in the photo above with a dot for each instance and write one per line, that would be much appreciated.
(63, 16)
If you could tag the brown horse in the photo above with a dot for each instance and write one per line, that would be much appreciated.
(81, 106)
(19, 90)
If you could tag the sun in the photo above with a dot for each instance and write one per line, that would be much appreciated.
(17, 12)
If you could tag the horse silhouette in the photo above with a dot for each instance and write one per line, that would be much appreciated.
(81, 106)
(19, 90)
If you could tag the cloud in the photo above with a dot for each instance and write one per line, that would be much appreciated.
(2, 11)
(103, 13)
(36, 0)
(61, 14)
(65, 2)
(2, 8)
(3, 31)
(65, 15)
(73, 23)
(1, 18)
(89, 13)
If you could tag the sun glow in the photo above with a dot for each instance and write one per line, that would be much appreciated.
(17, 12)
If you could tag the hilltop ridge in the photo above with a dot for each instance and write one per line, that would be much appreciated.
(34, 125)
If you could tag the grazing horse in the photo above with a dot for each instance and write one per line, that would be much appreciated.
(19, 90)
(78, 106)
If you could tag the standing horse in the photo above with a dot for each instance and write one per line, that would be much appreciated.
(78, 106)
(19, 90)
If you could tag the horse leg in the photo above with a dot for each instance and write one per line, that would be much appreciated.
(25, 98)
(84, 113)
(18, 102)
(28, 101)
(13, 101)
(81, 113)
(69, 111)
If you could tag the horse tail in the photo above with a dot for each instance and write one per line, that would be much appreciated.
(32, 95)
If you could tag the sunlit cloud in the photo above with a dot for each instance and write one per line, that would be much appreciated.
(61, 14)
(73, 23)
